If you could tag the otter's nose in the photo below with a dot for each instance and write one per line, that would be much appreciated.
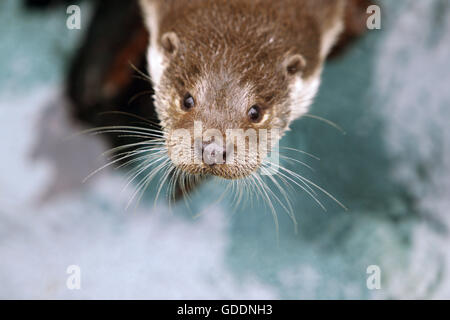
(213, 153)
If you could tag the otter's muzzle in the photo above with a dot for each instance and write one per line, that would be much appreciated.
(213, 153)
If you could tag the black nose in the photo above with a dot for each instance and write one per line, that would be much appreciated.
(213, 153)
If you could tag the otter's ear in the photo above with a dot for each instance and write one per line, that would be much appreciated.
(294, 64)
(170, 43)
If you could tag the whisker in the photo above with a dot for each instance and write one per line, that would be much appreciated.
(105, 166)
(140, 158)
(305, 180)
(329, 122)
(133, 129)
(311, 194)
(301, 151)
(146, 180)
(162, 182)
(127, 146)
(140, 72)
(139, 95)
(150, 139)
(282, 175)
(149, 179)
(181, 179)
(140, 169)
(150, 135)
(152, 123)
(298, 161)
(325, 192)
(289, 208)
(268, 202)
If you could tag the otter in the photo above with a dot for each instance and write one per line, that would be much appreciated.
(236, 64)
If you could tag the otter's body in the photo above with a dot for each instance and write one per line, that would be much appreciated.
(232, 57)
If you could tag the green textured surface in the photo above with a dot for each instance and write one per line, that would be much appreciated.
(389, 94)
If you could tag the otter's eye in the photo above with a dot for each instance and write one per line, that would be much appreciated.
(188, 102)
(255, 113)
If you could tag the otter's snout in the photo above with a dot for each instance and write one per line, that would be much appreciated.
(230, 155)
(213, 153)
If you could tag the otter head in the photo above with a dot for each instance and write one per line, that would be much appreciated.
(226, 92)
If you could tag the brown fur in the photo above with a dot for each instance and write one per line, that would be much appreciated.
(229, 45)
